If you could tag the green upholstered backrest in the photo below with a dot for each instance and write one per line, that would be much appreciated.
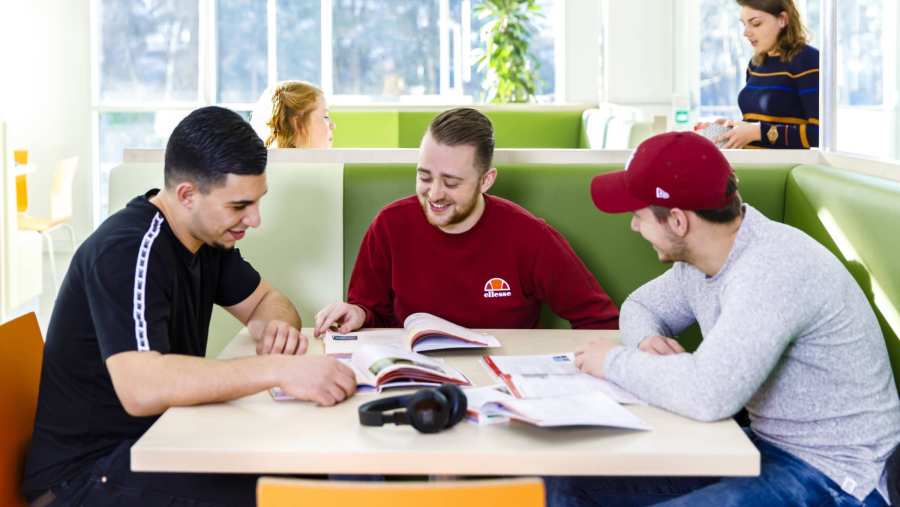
(366, 129)
(404, 129)
(619, 258)
(856, 217)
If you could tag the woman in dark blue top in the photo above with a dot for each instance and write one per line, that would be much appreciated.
(780, 103)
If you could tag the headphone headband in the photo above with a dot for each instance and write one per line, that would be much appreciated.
(372, 413)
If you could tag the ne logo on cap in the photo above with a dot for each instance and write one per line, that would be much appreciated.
(661, 194)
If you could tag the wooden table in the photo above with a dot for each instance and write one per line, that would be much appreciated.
(258, 435)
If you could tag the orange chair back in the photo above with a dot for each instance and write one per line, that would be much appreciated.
(21, 352)
(272, 492)
(21, 193)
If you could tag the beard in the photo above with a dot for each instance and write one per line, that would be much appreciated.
(454, 214)
(676, 251)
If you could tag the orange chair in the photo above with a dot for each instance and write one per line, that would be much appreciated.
(272, 492)
(21, 353)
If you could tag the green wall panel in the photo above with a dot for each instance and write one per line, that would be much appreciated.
(365, 129)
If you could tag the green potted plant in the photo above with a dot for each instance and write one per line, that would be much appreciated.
(511, 70)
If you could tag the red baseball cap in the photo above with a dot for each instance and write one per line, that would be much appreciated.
(674, 170)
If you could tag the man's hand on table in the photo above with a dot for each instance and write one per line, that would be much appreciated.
(660, 346)
(321, 379)
(343, 316)
(279, 337)
(590, 357)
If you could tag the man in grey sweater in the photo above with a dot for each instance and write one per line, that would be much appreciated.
(787, 333)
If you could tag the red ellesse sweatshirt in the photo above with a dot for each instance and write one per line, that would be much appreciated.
(495, 275)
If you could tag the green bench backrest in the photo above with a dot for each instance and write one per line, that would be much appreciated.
(856, 217)
(514, 129)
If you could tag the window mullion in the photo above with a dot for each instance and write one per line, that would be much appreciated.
(271, 43)
(207, 80)
(828, 78)
(444, 47)
(326, 44)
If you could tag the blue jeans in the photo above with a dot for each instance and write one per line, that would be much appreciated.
(784, 480)
(110, 481)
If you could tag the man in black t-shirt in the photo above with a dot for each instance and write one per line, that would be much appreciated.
(128, 333)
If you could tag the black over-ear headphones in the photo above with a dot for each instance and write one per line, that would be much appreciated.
(427, 410)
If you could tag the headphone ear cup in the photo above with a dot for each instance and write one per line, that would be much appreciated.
(428, 411)
(457, 401)
(372, 413)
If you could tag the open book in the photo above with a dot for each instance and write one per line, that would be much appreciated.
(495, 404)
(422, 332)
(384, 366)
(379, 367)
(551, 375)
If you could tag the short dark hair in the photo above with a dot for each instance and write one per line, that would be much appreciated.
(721, 215)
(469, 127)
(209, 144)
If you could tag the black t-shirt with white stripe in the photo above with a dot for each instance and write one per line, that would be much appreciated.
(132, 285)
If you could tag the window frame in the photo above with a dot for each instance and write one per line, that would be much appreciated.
(207, 81)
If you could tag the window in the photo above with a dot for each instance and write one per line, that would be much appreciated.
(149, 51)
(241, 50)
(386, 49)
(157, 60)
(725, 53)
(866, 78)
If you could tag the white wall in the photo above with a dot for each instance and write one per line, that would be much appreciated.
(639, 54)
(582, 21)
(45, 94)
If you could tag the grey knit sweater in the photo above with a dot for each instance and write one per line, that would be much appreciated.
(787, 333)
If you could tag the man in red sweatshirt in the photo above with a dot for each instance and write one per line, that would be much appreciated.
(453, 251)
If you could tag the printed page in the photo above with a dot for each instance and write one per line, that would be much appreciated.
(343, 344)
(485, 404)
(547, 375)
(586, 409)
(380, 365)
(428, 332)
(547, 386)
(489, 404)
(557, 364)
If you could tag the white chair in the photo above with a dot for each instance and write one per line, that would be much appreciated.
(60, 211)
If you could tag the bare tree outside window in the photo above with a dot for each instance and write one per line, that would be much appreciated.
(148, 50)
(299, 34)
(386, 49)
(241, 46)
(860, 58)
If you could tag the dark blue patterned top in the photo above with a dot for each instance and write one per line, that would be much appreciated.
(784, 98)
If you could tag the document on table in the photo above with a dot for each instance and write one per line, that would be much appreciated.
(550, 375)
(492, 404)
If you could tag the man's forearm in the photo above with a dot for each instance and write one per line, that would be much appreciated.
(274, 306)
(156, 381)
